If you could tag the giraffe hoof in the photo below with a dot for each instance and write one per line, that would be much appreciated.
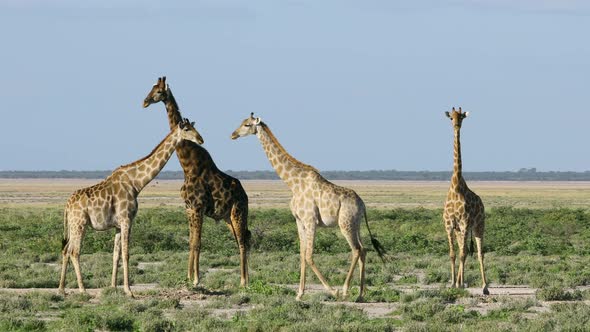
(298, 297)
(128, 292)
(336, 294)
(196, 282)
(486, 291)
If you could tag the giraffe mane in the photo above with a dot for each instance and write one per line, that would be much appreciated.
(176, 114)
(282, 149)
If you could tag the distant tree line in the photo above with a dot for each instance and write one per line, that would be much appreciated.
(524, 174)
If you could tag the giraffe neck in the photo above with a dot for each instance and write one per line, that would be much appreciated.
(141, 172)
(174, 116)
(193, 158)
(457, 178)
(288, 168)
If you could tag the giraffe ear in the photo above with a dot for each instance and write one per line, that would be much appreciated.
(448, 114)
(466, 114)
(166, 88)
(257, 121)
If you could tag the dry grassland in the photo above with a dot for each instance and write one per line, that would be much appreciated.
(275, 194)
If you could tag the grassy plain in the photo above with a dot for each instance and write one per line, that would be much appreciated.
(537, 244)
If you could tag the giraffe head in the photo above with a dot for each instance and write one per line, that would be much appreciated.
(159, 92)
(248, 127)
(457, 117)
(187, 131)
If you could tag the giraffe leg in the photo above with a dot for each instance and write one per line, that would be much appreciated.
(232, 228)
(362, 264)
(479, 243)
(462, 241)
(75, 224)
(310, 237)
(116, 256)
(240, 220)
(195, 216)
(191, 253)
(65, 254)
(75, 256)
(125, 230)
(64, 267)
(353, 262)
(302, 246)
(238, 225)
(73, 249)
(357, 252)
(451, 238)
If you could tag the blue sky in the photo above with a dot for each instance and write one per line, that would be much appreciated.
(344, 85)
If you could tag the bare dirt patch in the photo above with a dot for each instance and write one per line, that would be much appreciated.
(190, 298)
(477, 301)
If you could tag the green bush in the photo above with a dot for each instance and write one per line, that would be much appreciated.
(556, 293)
(422, 310)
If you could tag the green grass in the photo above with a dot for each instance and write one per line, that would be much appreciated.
(548, 249)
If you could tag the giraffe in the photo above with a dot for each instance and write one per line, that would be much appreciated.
(206, 191)
(315, 202)
(113, 203)
(464, 212)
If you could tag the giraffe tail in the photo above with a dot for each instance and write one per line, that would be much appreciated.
(376, 244)
(471, 246)
(65, 239)
(248, 239)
